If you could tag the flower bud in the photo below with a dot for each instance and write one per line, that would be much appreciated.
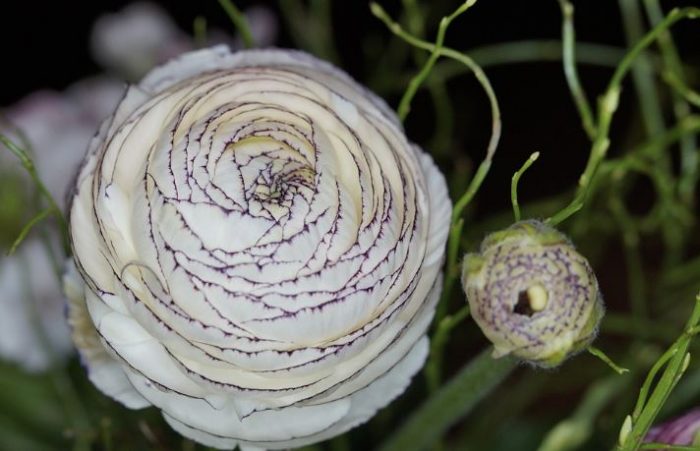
(532, 294)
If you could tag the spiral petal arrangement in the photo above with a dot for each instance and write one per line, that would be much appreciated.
(532, 294)
(257, 249)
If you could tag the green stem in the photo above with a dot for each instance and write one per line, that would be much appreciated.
(420, 77)
(454, 400)
(570, 72)
(199, 31)
(633, 261)
(310, 26)
(514, 184)
(29, 166)
(690, 162)
(444, 120)
(536, 50)
(684, 90)
(648, 406)
(615, 323)
(607, 360)
(239, 21)
(28, 227)
(509, 53)
(454, 238)
(607, 105)
(674, 16)
(642, 72)
(433, 368)
(451, 271)
(481, 77)
(482, 171)
(76, 414)
(666, 446)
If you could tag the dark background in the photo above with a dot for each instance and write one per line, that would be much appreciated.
(45, 45)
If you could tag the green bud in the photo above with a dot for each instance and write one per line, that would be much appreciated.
(532, 294)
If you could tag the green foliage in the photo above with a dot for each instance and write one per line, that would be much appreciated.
(239, 21)
(12, 214)
(28, 164)
(486, 403)
(575, 431)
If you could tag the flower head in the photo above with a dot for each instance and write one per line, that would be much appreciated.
(258, 249)
(532, 294)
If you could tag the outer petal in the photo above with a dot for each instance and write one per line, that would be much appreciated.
(363, 405)
(103, 370)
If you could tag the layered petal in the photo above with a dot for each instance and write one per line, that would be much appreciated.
(259, 243)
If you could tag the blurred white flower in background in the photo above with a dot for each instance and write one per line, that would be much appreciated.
(135, 39)
(142, 36)
(32, 308)
(58, 127)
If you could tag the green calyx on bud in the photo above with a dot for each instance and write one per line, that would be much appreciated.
(532, 294)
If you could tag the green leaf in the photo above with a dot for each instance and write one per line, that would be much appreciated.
(451, 403)
(32, 416)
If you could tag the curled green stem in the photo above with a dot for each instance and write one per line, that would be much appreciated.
(607, 105)
(422, 75)
(484, 166)
(570, 72)
(514, 184)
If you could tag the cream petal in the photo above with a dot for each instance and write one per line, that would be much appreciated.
(198, 415)
(262, 245)
(103, 370)
(366, 402)
(440, 210)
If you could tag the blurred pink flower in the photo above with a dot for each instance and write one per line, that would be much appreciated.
(683, 430)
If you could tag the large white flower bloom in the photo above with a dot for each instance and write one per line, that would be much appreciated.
(261, 249)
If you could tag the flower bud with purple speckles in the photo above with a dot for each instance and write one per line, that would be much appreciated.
(532, 294)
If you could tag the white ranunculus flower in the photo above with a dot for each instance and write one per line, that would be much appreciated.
(260, 248)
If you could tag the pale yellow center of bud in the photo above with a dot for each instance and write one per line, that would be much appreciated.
(537, 297)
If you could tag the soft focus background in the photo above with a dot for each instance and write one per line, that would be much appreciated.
(64, 67)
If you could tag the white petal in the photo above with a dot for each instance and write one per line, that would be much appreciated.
(262, 246)
(103, 370)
